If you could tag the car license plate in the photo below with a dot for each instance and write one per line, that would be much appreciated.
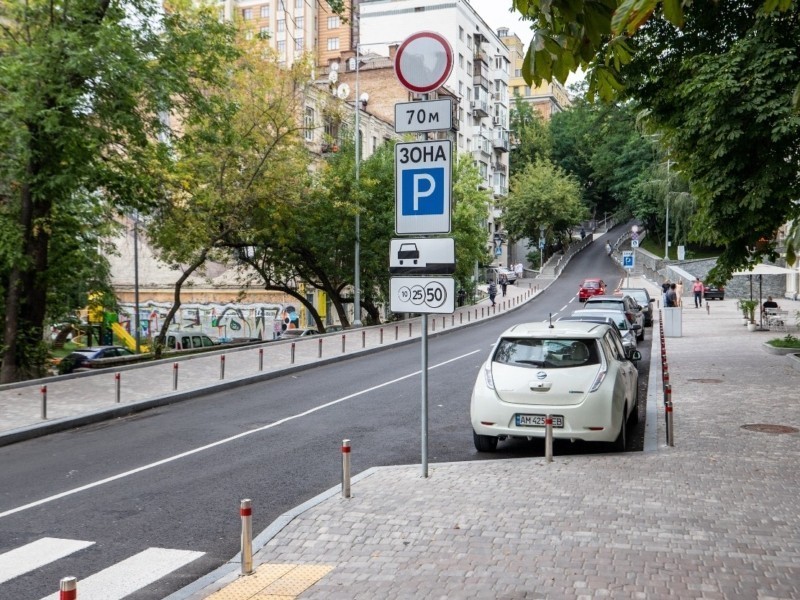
(537, 420)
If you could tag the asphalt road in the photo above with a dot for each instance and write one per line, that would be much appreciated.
(173, 477)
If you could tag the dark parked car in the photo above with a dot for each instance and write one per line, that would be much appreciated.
(82, 359)
(713, 292)
(643, 299)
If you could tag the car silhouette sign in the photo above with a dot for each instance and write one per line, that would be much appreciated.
(422, 256)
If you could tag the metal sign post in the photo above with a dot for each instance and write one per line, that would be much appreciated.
(423, 189)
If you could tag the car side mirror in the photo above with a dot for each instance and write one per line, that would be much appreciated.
(636, 327)
(636, 356)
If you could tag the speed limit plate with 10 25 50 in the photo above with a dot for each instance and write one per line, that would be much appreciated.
(424, 295)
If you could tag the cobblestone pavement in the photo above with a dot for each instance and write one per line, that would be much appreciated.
(715, 516)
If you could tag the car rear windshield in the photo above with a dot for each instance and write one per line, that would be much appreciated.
(543, 352)
(616, 304)
(591, 284)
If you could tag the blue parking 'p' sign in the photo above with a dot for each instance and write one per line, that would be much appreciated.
(424, 191)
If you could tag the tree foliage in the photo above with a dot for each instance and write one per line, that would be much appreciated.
(531, 136)
(543, 196)
(719, 80)
(82, 89)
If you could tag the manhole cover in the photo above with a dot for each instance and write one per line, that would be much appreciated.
(767, 428)
(706, 380)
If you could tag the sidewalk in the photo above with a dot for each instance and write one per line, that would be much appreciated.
(715, 516)
(83, 398)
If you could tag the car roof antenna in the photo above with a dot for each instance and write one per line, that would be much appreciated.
(551, 322)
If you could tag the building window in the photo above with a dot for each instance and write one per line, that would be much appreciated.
(298, 4)
(298, 44)
(308, 123)
(298, 23)
(374, 144)
(460, 88)
(281, 25)
(461, 34)
(333, 22)
(265, 33)
(247, 14)
(265, 11)
(469, 41)
(469, 68)
(333, 43)
(282, 47)
(460, 61)
(517, 72)
(460, 140)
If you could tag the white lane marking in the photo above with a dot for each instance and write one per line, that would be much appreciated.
(125, 577)
(32, 556)
(221, 442)
(563, 308)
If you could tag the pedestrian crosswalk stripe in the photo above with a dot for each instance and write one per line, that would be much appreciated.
(35, 555)
(126, 577)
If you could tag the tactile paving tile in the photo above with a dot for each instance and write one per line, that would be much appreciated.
(273, 581)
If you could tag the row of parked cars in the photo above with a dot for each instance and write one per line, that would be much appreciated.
(580, 370)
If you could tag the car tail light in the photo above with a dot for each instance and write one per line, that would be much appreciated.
(487, 374)
(600, 377)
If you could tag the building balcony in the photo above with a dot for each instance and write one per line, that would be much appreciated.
(500, 190)
(479, 108)
(481, 81)
(500, 140)
(479, 56)
(481, 146)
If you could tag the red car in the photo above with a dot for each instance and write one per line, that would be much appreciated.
(591, 287)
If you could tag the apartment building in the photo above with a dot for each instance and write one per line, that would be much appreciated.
(290, 24)
(548, 98)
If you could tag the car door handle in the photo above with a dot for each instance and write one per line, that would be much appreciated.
(540, 386)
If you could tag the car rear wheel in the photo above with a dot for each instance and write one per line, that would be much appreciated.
(633, 418)
(484, 443)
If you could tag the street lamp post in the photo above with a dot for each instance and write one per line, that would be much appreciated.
(666, 221)
(357, 260)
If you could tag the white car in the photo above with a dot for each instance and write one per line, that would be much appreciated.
(574, 371)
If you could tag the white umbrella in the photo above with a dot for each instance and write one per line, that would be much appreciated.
(762, 269)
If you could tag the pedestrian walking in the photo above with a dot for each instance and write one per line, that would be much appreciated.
(583, 233)
(492, 291)
(697, 290)
(503, 283)
(664, 290)
(672, 296)
(518, 270)
(608, 248)
(679, 293)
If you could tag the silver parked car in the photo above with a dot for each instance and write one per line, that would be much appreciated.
(625, 304)
(577, 372)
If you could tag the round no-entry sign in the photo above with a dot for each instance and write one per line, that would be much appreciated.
(423, 62)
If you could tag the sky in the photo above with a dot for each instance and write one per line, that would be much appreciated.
(497, 14)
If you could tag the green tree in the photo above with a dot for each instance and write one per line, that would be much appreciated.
(601, 146)
(543, 196)
(234, 171)
(719, 80)
(82, 86)
(470, 206)
(531, 136)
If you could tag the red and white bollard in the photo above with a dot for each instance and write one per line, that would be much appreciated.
(118, 386)
(343, 337)
(345, 468)
(548, 438)
(174, 376)
(363, 339)
(68, 588)
(246, 512)
(222, 366)
(670, 428)
(381, 335)
(291, 359)
(319, 348)
(261, 359)
(44, 401)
